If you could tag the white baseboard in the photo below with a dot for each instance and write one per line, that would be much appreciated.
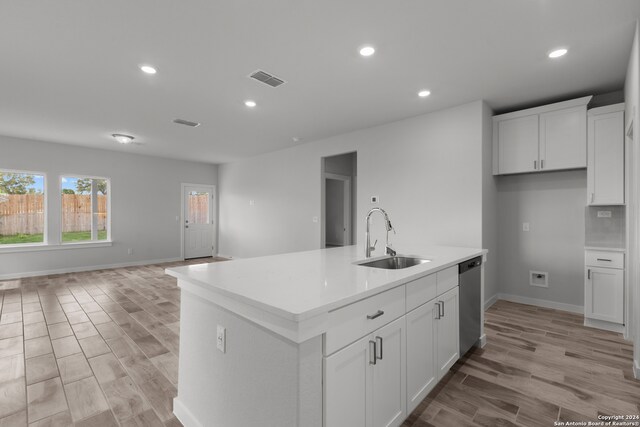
(488, 303)
(607, 326)
(542, 303)
(636, 369)
(226, 256)
(11, 276)
(184, 415)
(483, 340)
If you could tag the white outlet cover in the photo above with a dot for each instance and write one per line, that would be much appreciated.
(604, 214)
(221, 339)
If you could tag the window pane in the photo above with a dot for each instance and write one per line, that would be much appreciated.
(102, 208)
(21, 208)
(198, 212)
(81, 213)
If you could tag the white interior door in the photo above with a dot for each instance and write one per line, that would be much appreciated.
(199, 208)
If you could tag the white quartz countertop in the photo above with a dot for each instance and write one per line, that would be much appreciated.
(300, 285)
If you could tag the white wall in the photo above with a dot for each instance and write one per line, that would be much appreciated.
(426, 170)
(554, 206)
(632, 114)
(145, 201)
(489, 207)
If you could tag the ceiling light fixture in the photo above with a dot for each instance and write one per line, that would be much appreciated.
(424, 93)
(249, 103)
(367, 51)
(123, 139)
(148, 69)
(295, 139)
(557, 53)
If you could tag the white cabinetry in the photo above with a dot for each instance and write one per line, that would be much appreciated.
(605, 170)
(448, 334)
(604, 289)
(365, 381)
(551, 137)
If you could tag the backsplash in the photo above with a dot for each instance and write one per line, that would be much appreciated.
(605, 226)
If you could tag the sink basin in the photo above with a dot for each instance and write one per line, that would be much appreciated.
(395, 262)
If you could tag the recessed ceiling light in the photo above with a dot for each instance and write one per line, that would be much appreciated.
(249, 103)
(123, 139)
(558, 53)
(424, 93)
(148, 69)
(296, 139)
(367, 51)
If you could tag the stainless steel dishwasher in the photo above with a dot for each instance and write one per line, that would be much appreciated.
(470, 304)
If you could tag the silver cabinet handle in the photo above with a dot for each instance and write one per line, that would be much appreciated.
(589, 273)
(372, 353)
(535, 164)
(379, 341)
(603, 259)
(442, 303)
(375, 316)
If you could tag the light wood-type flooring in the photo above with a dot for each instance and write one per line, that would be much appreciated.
(100, 349)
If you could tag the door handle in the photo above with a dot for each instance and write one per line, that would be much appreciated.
(379, 340)
(372, 353)
(186, 226)
(589, 273)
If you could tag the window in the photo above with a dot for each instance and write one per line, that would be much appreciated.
(22, 207)
(85, 209)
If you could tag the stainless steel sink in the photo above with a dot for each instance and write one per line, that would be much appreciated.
(394, 262)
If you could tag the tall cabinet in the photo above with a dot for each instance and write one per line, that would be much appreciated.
(605, 145)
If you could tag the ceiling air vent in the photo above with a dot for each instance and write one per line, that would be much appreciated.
(186, 123)
(267, 78)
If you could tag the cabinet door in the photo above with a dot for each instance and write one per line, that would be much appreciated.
(518, 145)
(563, 139)
(605, 174)
(388, 376)
(447, 333)
(604, 294)
(421, 348)
(345, 385)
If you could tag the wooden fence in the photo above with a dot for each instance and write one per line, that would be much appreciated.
(24, 213)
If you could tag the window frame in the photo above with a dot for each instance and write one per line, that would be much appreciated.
(108, 223)
(45, 204)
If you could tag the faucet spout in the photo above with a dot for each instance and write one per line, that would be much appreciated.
(368, 248)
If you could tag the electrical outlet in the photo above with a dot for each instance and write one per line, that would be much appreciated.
(221, 339)
(252, 202)
(130, 251)
(525, 226)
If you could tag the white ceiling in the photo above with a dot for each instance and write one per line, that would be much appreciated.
(69, 69)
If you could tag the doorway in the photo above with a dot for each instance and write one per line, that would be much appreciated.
(338, 200)
(198, 215)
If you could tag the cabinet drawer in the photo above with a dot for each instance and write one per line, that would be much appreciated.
(604, 259)
(420, 291)
(349, 323)
(447, 279)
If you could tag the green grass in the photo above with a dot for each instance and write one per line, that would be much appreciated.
(70, 236)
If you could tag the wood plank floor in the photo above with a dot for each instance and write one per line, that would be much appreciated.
(539, 366)
(101, 349)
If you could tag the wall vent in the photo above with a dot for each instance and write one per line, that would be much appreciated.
(186, 123)
(266, 78)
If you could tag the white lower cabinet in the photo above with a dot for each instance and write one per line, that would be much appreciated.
(447, 335)
(365, 381)
(604, 294)
(421, 353)
(432, 345)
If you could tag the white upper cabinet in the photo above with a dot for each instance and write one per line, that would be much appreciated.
(605, 170)
(552, 137)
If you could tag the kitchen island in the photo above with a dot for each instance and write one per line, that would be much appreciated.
(303, 334)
